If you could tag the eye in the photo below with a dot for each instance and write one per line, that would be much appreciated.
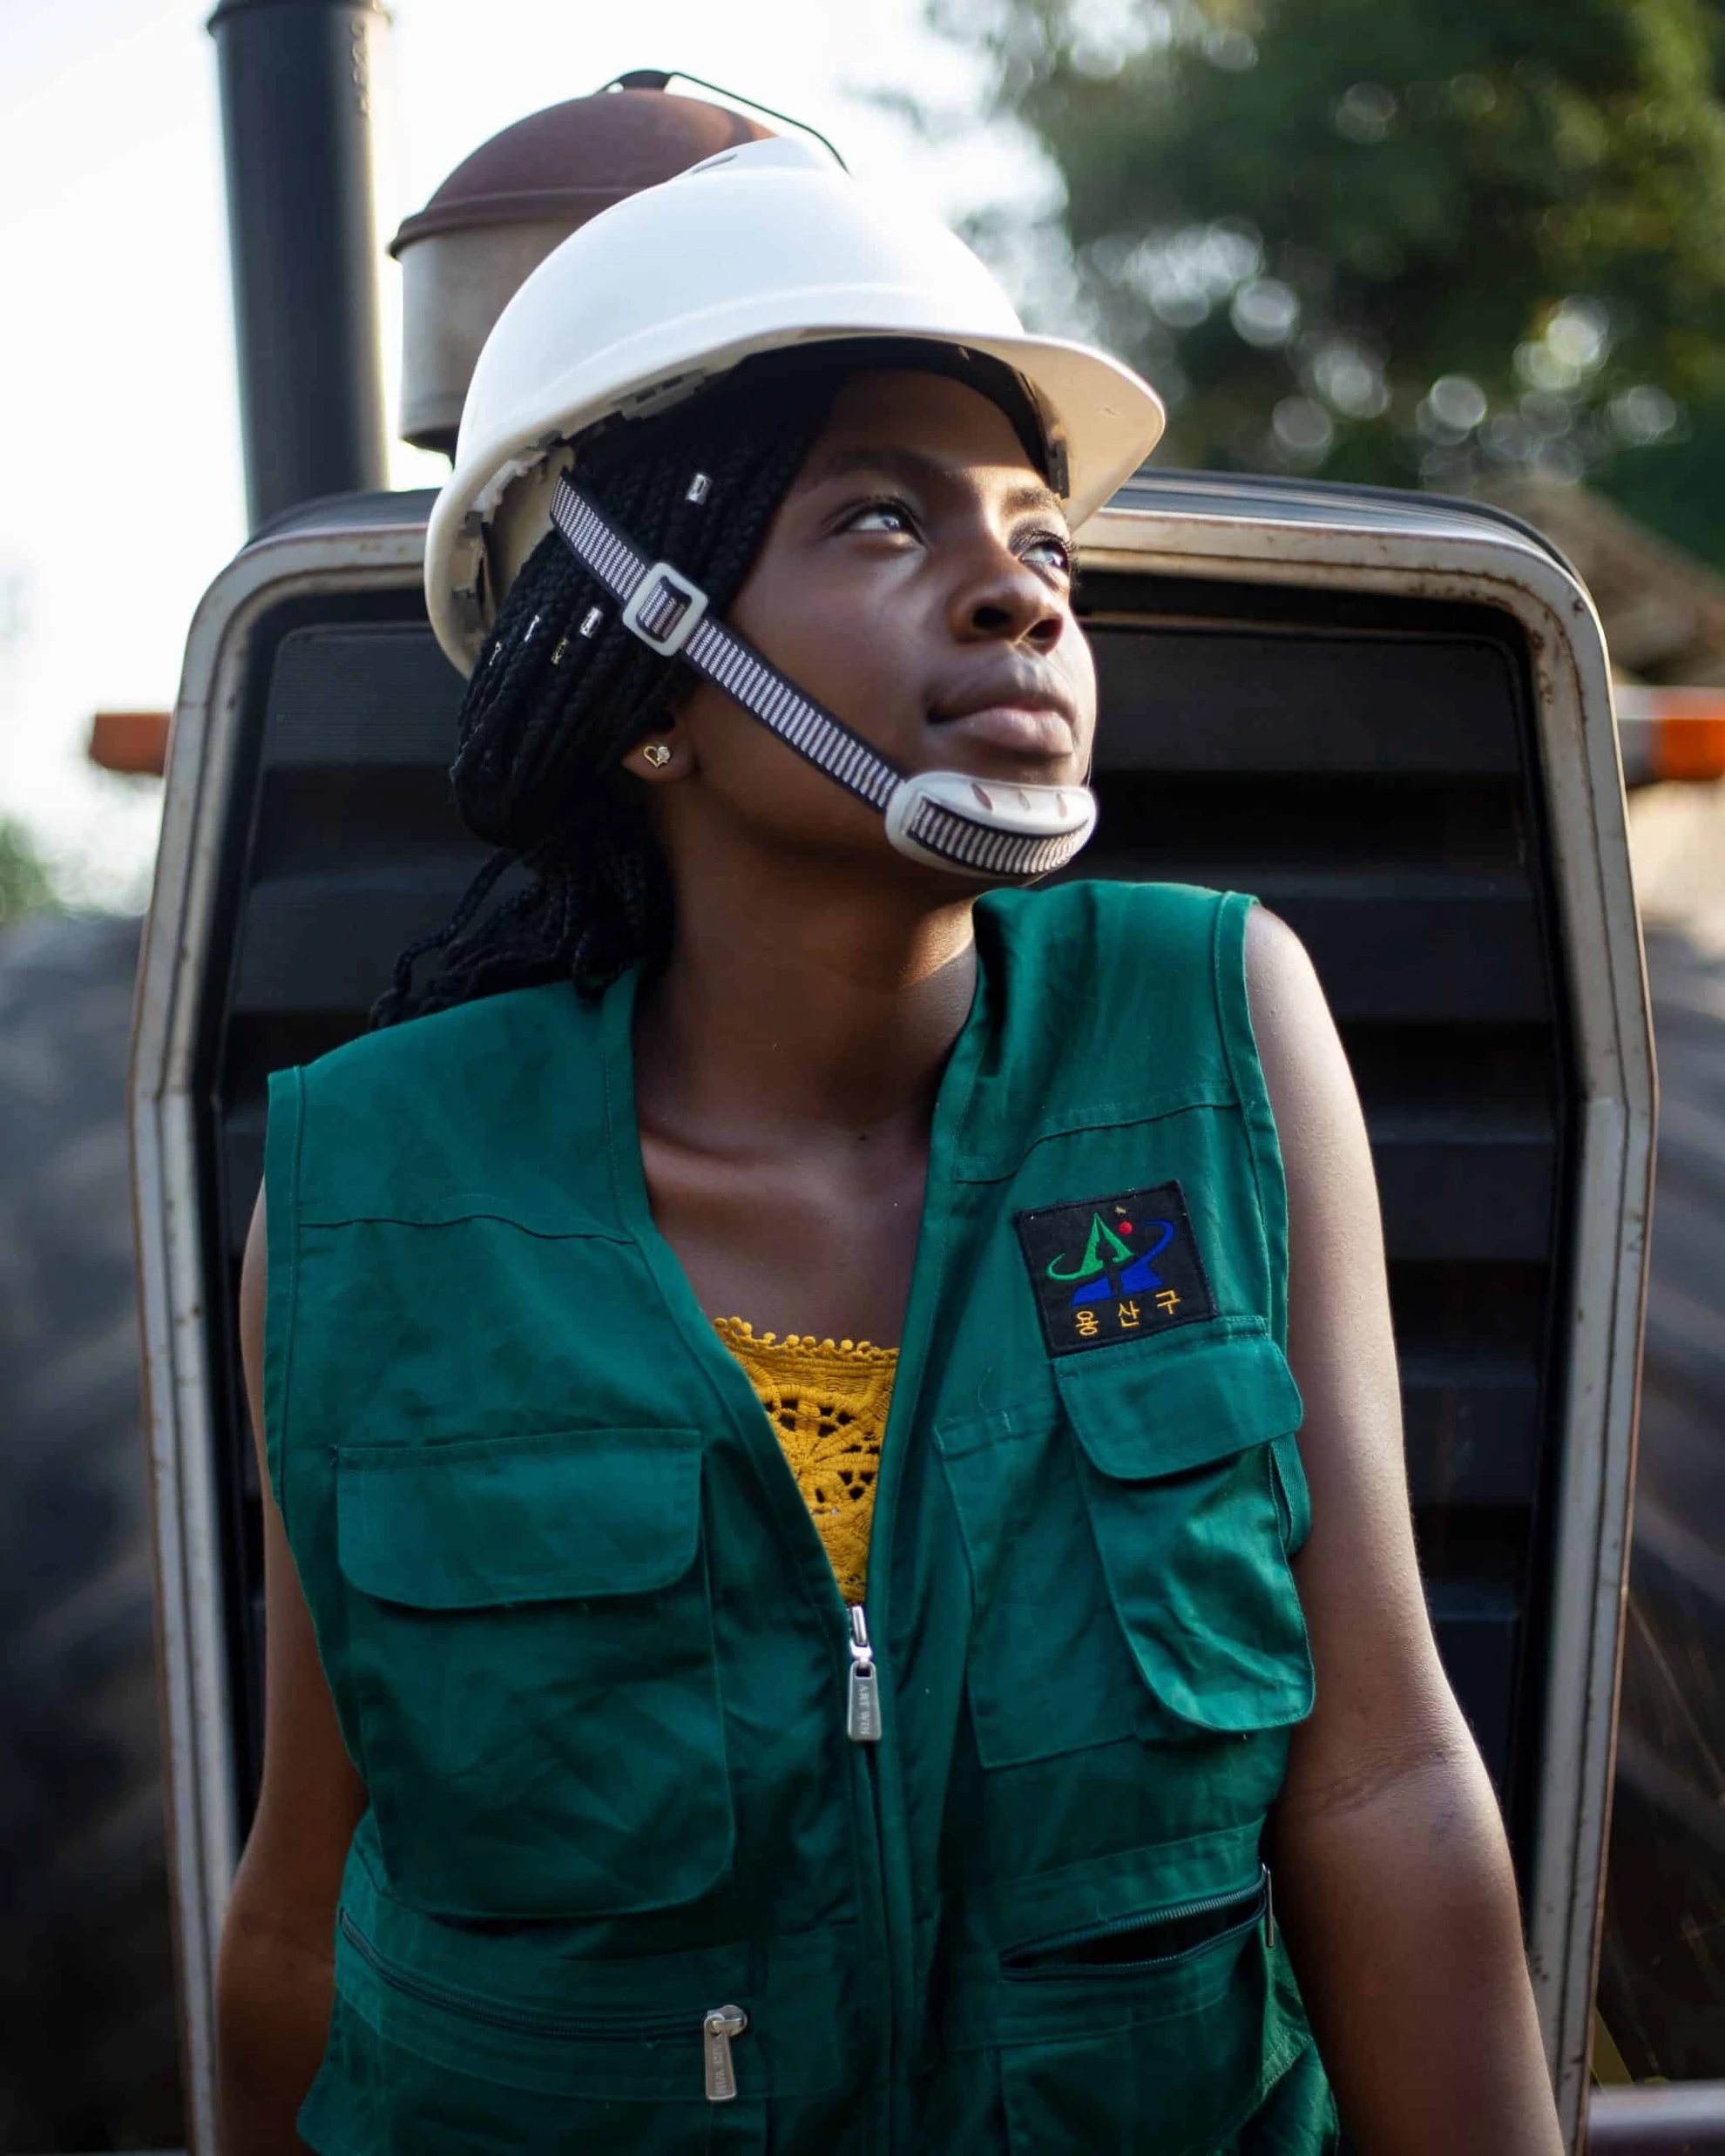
(1048, 550)
(886, 514)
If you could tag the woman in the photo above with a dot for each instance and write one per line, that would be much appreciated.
(647, 1772)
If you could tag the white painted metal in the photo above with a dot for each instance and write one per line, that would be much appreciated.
(203, 1824)
(1324, 541)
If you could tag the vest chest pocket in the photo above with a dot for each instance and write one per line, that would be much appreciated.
(1196, 1497)
(529, 1645)
(1148, 1553)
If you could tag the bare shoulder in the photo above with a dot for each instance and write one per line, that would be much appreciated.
(253, 1294)
(1381, 1697)
(1306, 1073)
(1271, 948)
(1338, 1306)
(1336, 1288)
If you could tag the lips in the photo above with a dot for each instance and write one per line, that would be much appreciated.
(1026, 719)
(1021, 730)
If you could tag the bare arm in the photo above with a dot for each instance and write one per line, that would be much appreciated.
(1391, 1869)
(273, 1986)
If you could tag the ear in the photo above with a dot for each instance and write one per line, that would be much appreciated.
(661, 756)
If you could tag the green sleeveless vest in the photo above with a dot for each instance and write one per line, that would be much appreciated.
(658, 1859)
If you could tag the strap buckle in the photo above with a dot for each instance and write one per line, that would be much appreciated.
(665, 610)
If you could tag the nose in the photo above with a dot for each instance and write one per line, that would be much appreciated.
(1003, 600)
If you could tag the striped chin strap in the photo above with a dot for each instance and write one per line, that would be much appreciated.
(981, 827)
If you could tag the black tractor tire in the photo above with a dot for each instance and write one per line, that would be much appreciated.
(89, 2053)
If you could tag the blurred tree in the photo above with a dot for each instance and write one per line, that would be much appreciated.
(25, 882)
(1401, 242)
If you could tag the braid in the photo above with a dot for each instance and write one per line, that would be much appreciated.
(550, 710)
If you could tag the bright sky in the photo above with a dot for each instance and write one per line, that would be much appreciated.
(120, 486)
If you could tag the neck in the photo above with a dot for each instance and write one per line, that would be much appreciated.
(794, 1008)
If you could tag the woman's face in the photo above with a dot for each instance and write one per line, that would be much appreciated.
(917, 581)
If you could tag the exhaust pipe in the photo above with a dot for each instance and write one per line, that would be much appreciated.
(296, 128)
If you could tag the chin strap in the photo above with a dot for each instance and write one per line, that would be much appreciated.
(982, 827)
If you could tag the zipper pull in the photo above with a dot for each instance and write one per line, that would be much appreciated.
(717, 2029)
(862, 1721)
(1269, 1912)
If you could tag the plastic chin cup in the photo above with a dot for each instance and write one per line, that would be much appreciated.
(990, 829)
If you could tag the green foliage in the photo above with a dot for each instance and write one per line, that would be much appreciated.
(1389, 240)
(26, 885)
(1680, 492)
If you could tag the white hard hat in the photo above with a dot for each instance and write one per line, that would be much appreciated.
(759, 249)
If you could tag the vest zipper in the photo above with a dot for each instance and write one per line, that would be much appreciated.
(717, 2030)
(717, 2027)
(863, 1712)
(1026, 1963)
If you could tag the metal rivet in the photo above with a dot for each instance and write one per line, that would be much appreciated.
(562, 646)
(590, 620)
(699, 486)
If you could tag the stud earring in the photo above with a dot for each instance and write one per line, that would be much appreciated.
(656, 754)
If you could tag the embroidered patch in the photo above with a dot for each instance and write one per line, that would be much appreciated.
(1114, 1268)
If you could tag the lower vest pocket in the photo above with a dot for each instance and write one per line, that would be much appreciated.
(445, 2039)
(1166, 1940)
(530, 1649)
(668, 2053)
(376, 2097)
(1152, 2033)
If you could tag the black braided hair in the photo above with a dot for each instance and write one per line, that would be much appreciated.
(550, 712)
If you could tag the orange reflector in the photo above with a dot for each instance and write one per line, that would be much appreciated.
(134, 741)
(1690, 744)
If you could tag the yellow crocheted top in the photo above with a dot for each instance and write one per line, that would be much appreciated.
(828, 1401)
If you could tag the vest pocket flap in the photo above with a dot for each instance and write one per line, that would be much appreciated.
(561, 1515)
(1145, 1412)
